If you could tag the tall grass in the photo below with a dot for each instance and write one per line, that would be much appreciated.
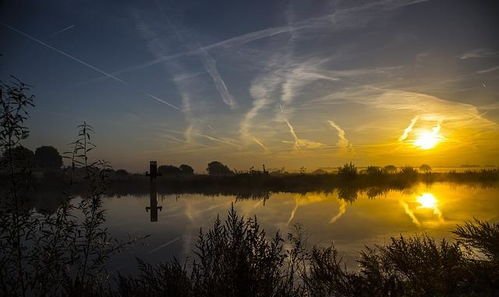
(237, 258)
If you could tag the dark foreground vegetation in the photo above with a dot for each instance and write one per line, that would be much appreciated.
(64, 253)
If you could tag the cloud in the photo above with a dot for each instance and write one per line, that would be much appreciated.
(342, 140)
(265, 149)
(408, 129)
(300, 143)
(479, 53)
(211, 67)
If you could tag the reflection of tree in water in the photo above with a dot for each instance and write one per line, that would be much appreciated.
(348, 193)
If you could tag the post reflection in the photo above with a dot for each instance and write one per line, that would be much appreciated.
(153, 202)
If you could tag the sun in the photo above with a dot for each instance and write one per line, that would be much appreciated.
(428, 139)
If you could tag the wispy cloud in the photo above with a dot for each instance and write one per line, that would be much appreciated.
(210, 65)
(408, 129)
(300, 143)
(342, 140)
(257, 141)
(479, 53)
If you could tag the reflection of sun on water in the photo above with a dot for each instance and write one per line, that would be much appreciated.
(427, 200)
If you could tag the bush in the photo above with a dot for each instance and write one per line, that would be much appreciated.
(348, 171)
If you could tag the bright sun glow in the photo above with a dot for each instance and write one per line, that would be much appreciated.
(427, 200)
(427, 139)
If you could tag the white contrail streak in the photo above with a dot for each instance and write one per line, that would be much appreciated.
(293, 133)
(260, 144)
(87, 65)
(408, 129)
(342, 140)
(210, 65)
(63, 30)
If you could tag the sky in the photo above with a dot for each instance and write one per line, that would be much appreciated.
(288, 84)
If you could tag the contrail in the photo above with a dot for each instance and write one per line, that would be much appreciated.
(293, 133)
(63, 30)
(342, 140)
(210, 65)
(260, 144)
(409, 129)
(87, 65)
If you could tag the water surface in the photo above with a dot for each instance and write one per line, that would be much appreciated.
(174, 221)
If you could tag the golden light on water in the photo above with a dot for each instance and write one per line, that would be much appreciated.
(427, 200)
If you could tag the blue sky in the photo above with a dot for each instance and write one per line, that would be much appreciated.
(285, 83)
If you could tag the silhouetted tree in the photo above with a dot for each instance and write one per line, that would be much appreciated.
(374, 171)
(348, 171)
(425, 168)
(390, 169)
(408, 172)
(168, 170)
(319, 171)
(121, 172)
(217, 168)
(21, 157)
(186, 169)
(48, 157)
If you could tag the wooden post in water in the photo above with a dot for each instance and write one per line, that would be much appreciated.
(153, 170)
(153, 193)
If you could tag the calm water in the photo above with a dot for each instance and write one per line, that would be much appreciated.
(434, 209)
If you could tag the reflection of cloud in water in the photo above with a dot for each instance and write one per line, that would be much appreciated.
(341, 212)
(409, 212)
(164, 245)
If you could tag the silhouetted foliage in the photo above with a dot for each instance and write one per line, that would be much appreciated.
(408, 172)
(21, 157)
(347, 171)
(121, 172)
(390, 169)
(48, 157)
(168, 170)
(425, 168)
(236, 258)
(186, 170)
(217, 168)
(374, 171)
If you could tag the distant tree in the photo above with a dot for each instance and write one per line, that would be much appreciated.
(303, 170)
(425, 168)
(22, 157)
(319, 171)
(408, 171)
(121, 172)
(217, 168)
(186, 169)
(168, 170)
(373, 171)
(48, 157)
(390, 169)
(347, 171)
